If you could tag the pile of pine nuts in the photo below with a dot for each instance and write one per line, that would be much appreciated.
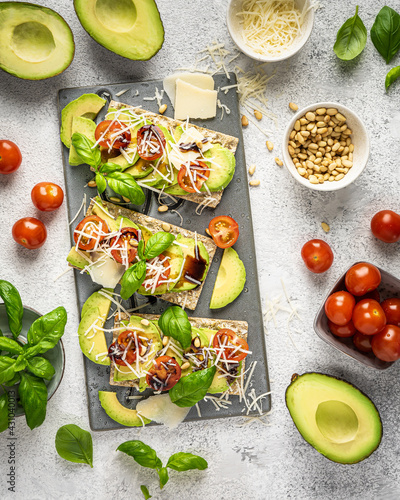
(320, 146)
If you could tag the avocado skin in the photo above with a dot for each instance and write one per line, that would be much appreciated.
(295, 378)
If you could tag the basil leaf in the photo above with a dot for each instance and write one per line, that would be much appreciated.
(6, 369)
(191, 389)
(385, 33)
(392, 76)
(157, 244)
(143, 454)
(15, 380)
(85, 150)
(4, 412)
(14, 308)
(132, 279)
(145, 492)
(41, 367)
(33, 395)
(351, 38)
(125, 185)
(47, 330)
(140, 249)
(10, 346)
(74, 444)
(163, 475)
(110, 167)
(101, 183)
(186, 461)
(174, 323)
(20, 363)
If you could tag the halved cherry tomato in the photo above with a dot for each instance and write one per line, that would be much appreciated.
(150, 142)
(339, 307)
(161, 260)
(317, 256)
(164, 373)
(224, 231)
(362, 342)
(362, 278)
(369, 317)
(47, 196)
(343, 331)
(29, 232)
(193, 175)
(121, 355)
(386, 344)
(128, 240)
(10, 157)
(94, 229)
(112, 134)
(385, 225)
(391, 308)
(233, 346)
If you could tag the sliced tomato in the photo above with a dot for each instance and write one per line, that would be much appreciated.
(112, 135)
(233, 346)
(150, 142)
(224, 231)
(94, 229)
(128, 242)
(164, 373)
(193, 175)
(161, 260)
(121, 355)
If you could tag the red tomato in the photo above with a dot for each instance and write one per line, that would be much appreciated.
(362, 342)
(227, 340)
(10, 157)
(150, 142)
(90, 230)
(391, 308)
(128, 240)
(161, 259)
(164, 373)
(47, 196)
(317, 256)
(191, 177)
(343, 331)
(224, 231)
(374, 294)
(339, 307)
(121, 354)
(369, 317)
(386, 344)
(29, 232)
(112, 134)
(385, 225)
(362, 278)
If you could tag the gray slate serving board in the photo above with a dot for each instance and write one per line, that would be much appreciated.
(235, 203)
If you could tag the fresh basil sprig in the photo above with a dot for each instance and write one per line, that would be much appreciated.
(10, 346)
(174, 323)
(143, 454)
(85, 150)
(6, 369)
(157, 244)
(125, 185)
(385, 33)
(33, 394)
(47, 330)
(191, 389)
(186, 461)
(41, 367)
(392, 76)
(74, 444)
(351, 38)
(145, 492)
(4, 412)
(12, 301)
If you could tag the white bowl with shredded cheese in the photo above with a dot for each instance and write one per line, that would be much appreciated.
(270, 30)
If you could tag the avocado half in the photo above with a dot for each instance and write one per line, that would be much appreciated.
(35, 42)
(130, 28)
(334, 417)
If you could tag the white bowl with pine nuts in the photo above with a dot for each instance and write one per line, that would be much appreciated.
(325, 146)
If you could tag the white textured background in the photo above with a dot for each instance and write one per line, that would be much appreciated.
(254, 461)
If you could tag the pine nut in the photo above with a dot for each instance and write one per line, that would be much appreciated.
(196, 342)
(165, 340)
(245, 121)
(127, 200)
(302, 171)
(254, 183)
(313, 179)
(340, 117)
(92, 183)
(279, 162)
(293, 106)
(297, 125)
(145, 322)
(292, 134)
(310, 116)
(325, 227)
(270, 145)
(303, 121)
(331, 178)
(163, 208)
(258, 115)
(331, 111)
(252, 169)
(162, 109)
(338, 177)
(114, 199)
(321, 111)
(185, 366)
(166, 227)
(347, 163)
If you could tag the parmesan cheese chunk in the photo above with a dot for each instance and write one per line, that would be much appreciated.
(162, 410)
(106, 272)
(199, 80)
(194, 102)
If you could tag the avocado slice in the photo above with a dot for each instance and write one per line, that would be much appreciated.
(230, 280)
(83, 126)
(189, 254)
(334, 417)
(76, 259)
(87, 105)
(222, 170)
(35, 42)
(119, 412)
(131, 29)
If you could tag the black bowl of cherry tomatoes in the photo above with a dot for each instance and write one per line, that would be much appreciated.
(361, 316)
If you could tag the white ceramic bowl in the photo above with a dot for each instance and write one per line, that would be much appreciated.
(235, 30)
(359, 138)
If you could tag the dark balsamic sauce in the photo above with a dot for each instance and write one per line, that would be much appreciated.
(193, 268)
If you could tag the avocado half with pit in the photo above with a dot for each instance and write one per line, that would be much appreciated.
(334, 417)
(130, 28)
(35, 42)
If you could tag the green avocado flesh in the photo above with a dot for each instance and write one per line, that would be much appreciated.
(222, 173)
(35, 42)
(118, 412)
(230, 281)
(83, 126)
(130, 28)
(334, 417)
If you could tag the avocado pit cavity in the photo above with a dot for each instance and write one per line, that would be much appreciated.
(337, 421)
(32, 41)
(116, 15)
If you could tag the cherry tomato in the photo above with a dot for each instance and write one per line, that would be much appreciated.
(386, 344)
(385, 225)
(343, 331)
(362, 342)
(150, 142)
(90, 230)
(112, 134)
(369, 317)
(127, 240)
(227, 340)
(164, 373)
(317, 256)
(161, 260)
(193, 175)
(339, 307)
(374, 294)
(362, 278)
(224, 231)
(391, 308)
(121, 354)
(10, 157)
(29, 232)
(47, 196)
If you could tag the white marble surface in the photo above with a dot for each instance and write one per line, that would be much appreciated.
(254, 461)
